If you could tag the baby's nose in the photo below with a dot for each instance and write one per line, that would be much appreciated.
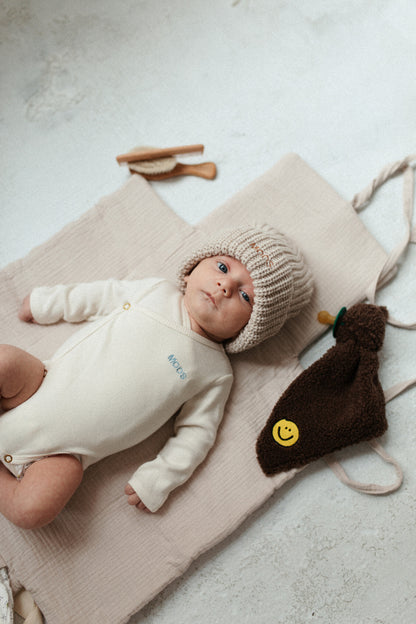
(226, 285)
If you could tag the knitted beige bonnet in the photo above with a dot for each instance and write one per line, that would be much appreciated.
(282, 282)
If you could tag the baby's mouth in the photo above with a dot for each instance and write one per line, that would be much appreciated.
(211, 298)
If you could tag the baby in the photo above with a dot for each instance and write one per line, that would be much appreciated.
(152, 351)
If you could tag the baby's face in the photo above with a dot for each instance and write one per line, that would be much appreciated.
(219, 297)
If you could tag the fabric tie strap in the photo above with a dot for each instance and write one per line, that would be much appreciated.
(372, 488)
(368, 488)
(361, 199)
(387, 271)
(25, 606)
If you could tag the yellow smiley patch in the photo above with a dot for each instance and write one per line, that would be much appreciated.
(285, 432)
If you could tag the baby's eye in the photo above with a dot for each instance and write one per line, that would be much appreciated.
(245, 296)
(222, 267)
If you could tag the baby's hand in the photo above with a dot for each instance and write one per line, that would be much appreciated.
(25, 313)
(133, 499)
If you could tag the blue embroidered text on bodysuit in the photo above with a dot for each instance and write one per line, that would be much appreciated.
(172, 359)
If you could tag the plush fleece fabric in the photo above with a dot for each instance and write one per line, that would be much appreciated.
(336, 402)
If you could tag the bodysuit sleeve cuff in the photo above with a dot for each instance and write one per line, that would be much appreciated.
(152, 498)
(43, 309)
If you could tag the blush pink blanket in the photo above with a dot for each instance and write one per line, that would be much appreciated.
(100, 561)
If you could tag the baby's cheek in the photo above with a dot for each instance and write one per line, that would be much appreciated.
(244, 317)
(239, 320)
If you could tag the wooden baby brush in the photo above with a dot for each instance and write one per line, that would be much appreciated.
(160, 163)
(151, 153)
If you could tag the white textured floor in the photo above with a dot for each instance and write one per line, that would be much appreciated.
(252, 80)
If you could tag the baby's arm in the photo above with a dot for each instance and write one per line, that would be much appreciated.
(79, 302)
(195, 432)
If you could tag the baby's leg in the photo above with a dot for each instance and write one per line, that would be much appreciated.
(45, 489)
(21, 374)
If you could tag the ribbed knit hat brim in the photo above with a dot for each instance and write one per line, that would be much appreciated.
(282, 282)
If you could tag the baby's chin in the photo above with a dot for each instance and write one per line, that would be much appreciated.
(207, 321)
(217, 334)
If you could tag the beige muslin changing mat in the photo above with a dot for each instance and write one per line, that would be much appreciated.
(100, 561)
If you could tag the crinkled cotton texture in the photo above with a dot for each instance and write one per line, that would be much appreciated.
(282, 282)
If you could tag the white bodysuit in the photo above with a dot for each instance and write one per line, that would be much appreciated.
(119, 379)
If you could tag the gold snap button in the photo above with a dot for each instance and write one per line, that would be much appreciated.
(127, 306)
(8, 458)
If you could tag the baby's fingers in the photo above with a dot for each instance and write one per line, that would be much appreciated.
(25, 313)
(142, 506)
(132, 497)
